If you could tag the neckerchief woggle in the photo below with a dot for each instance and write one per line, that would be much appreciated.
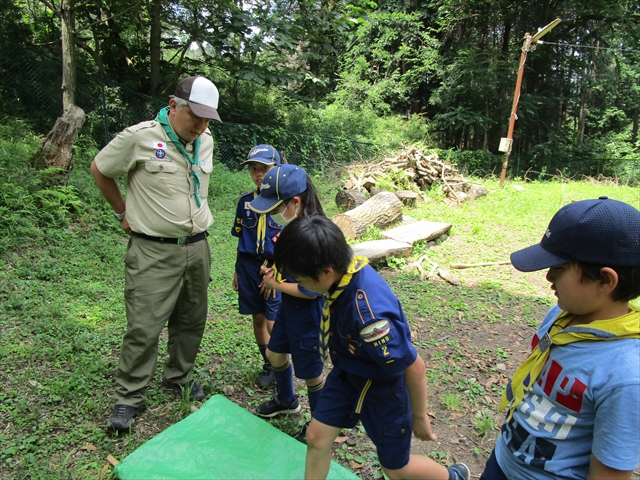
(626, 326)
(357, 264)
(164, 121)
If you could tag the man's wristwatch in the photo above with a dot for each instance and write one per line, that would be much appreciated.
(119, 216)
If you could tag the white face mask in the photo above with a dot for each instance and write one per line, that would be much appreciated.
(279, 217)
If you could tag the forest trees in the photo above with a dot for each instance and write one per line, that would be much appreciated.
(450, 64)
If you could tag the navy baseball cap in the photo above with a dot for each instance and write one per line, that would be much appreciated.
(280, 183)
(601, 232)
(263, 154)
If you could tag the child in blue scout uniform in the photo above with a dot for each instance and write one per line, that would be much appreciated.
(573, 404)
(256, 236)
(287, 194)
(378, 377)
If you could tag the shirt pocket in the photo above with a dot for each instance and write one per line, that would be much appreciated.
(249, 222)
(204, 169)
(161, 177)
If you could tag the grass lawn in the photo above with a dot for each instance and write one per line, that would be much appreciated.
(62, 321)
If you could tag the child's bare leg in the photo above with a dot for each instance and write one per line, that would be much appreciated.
(313, 381)
(277, 360)
(419, 467)
(320, 439)
(260, 330)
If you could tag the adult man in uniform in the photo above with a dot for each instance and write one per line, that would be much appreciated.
(168, 262)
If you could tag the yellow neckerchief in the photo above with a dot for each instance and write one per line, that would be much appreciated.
(357, 264)
(261, 232)
(626, 326)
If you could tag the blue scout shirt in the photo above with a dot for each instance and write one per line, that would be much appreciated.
(245, 227)
(370, 336)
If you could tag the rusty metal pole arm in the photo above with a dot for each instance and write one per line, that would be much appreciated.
(526, 47)
(514, 107)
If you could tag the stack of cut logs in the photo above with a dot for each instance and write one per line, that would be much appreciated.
(384, 208)
(424, 170)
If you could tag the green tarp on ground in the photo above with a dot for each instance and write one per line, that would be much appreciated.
(220, 441)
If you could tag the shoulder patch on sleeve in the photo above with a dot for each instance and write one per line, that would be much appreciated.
(375, 331)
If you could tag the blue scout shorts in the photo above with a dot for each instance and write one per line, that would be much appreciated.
(385, 413)
(250, 300)
(297, 331)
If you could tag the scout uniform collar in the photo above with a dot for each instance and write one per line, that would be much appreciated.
(357, 264)
(626, 326)
(163, 119)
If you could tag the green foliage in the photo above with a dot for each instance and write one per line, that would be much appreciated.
(31, 202)
(389, 58)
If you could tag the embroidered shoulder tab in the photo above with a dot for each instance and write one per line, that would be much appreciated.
(364, 309)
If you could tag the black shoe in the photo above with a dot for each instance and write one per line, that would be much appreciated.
(461, 471)
(190, 390)
(121, 418)
(275, 407)
(266, 378)
(302, 436)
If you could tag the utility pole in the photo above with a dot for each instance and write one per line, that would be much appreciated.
(505, 143)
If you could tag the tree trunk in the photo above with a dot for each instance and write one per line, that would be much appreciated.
(380, 211)
(57, 150)
(68, 54)
(154, 45)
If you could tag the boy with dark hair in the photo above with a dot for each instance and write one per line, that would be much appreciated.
(573, 404)
(377, 377)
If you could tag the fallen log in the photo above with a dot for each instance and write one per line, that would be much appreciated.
(380, 211)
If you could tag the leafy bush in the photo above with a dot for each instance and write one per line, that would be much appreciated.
(30, 200)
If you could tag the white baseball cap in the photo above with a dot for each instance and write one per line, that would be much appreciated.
(202, 96)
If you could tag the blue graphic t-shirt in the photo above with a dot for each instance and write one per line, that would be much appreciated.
(585, 400)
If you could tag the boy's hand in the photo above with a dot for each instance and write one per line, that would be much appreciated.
(234, 284)
(422, 428)
(268, 282)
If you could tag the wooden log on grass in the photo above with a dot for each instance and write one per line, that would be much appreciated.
(380, 210)
(407, 197)
(350, 199)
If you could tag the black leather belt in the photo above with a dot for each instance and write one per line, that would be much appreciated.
(174, 241)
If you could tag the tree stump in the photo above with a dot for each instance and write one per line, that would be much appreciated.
(476, 191)
(380, 211)
(376, 190)
(368, 183)
(57, 150)
(407, 197)
(349, 199)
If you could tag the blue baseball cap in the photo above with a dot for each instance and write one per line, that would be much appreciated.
(263, 154)
(280, 183)
(601, 232)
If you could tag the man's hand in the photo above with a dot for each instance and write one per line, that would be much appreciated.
(125, 225)
(234, 284)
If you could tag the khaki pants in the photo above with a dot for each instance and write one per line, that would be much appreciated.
(164, 284)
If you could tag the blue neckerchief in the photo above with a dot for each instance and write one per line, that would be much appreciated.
(164, 120)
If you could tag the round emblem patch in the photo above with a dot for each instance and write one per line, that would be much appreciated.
(160, 153)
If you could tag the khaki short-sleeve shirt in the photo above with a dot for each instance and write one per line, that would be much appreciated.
(160, 195)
